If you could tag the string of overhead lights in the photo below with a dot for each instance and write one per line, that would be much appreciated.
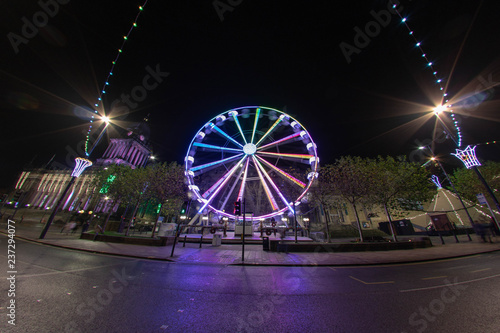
(437, 79)
(98, 104)
(487, 143)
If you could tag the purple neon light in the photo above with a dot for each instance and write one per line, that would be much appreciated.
(270, 196)
(81, 165)
(277, 142)
(228, 175)
(204, 145)
(290, 177)
(243, 181)
(203, 166)
(301, 156)
(212, 188)
(272, 183)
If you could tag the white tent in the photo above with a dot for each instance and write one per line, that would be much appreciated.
(447, 202)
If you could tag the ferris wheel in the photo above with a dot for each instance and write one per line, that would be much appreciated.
(255, 153)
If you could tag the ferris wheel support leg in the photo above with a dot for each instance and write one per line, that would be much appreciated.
(194, 219)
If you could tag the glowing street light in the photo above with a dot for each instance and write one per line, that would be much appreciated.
(105, 119)
(438, 109)
(80, 166)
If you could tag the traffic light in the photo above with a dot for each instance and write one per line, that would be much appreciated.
(184, 208)
(237, 208)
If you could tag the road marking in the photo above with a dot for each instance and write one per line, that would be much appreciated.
(333, 269)
(481, 270)
(61, 272)
(434, 277)
(450, 284)
(363, 282)
(424, 262)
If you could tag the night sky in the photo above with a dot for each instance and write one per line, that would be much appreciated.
(281, 54)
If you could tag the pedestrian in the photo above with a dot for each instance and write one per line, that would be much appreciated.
(67, 228)
(74, 228)
(85, 226)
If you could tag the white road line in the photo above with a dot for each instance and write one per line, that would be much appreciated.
(481, 270)
(59, 272)
(450, 284)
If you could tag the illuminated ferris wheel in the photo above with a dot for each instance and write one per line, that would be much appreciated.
(257, 153)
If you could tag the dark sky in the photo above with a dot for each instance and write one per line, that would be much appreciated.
(280, 54)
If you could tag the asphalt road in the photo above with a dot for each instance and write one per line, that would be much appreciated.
(59, 290)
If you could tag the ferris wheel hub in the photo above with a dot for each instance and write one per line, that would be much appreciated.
(249, 149)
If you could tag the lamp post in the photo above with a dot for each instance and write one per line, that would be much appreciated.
(80, 166)
(295, 204)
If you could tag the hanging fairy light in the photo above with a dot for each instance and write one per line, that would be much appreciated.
(98, 104)
(437, 78)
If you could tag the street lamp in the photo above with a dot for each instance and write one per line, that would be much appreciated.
(80, 166)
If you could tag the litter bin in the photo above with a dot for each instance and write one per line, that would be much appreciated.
(217, 240)
(265, 243)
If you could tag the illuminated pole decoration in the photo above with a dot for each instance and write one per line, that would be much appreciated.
(81, 165)
(467, 156)
(435, 180)
(438, 184)
(98, 104)
(469, 159)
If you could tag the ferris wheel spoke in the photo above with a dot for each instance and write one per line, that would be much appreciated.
(213, 164)
(243, 181)
(215, 148)
(217, 183)
(224, 134)
(281, 141)
(236, 179)
(221, 184)
(256, 121)
(283, 173)
(269, 195)
(235, 117)
(261, 170)
(304, 158)
(271, 129)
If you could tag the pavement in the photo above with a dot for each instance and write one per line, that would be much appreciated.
(191, 253)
